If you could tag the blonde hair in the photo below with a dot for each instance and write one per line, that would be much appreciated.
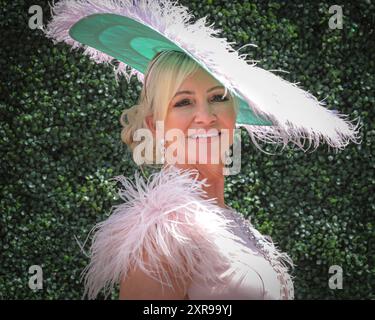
(164, 75)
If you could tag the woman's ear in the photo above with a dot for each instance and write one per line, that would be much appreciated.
(151, 123)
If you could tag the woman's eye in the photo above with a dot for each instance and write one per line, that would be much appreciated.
(216, 98)
(183, 102)
(219, 98)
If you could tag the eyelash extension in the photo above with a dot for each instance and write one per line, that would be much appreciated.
(178, 104)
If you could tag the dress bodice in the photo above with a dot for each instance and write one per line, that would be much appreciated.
(251, 275)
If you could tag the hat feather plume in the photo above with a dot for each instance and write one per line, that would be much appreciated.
(296, 115)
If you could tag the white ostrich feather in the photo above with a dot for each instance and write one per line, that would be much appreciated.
(296, 115)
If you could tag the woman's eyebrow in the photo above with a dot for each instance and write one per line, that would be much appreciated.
(191, 92)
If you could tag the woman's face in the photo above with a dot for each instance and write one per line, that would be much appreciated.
(198, 107)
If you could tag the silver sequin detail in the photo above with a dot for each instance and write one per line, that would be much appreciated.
(286, 288)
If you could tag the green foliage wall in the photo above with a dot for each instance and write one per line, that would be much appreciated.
(60, 143)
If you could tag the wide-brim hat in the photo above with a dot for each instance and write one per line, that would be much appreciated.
(128, 34)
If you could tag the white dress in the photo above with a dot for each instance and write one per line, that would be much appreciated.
(168, 218)
(253, 276)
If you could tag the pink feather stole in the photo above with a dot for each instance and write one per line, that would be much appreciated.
(169, 219)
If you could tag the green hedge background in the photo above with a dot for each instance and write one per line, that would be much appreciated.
(60, 143)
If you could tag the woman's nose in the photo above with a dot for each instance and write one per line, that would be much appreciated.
(204, 114)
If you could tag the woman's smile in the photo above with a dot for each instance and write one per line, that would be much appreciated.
(207, 120)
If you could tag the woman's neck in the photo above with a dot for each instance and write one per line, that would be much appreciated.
(215, 180)
(215, 188)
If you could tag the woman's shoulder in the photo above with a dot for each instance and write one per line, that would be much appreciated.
(164, 216)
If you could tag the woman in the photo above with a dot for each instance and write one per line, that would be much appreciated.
(174, 237)
(202, 248)
(203, 108)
